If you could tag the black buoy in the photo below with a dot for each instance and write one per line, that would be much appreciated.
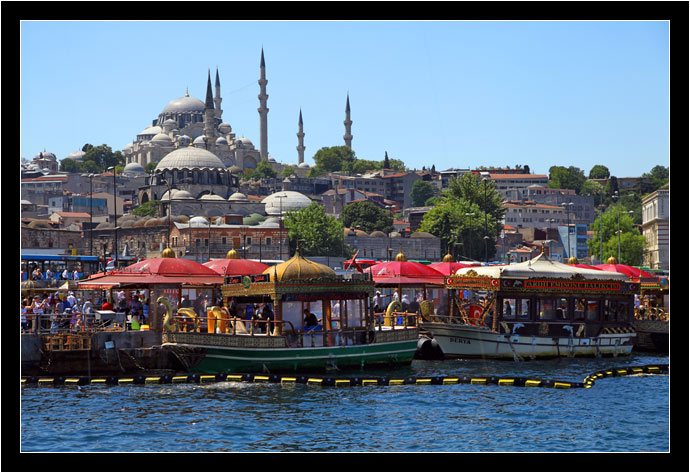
(428, 349)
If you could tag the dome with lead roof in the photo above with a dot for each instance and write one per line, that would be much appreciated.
(184, 104)
(190, 158)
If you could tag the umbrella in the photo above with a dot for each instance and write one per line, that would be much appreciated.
(449, 266)
(629, 271)
(233, 265)
(402, 271)
(586, 266)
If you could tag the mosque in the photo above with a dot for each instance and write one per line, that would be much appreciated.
(199, 157)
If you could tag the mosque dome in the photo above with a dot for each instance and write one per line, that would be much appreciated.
(170, 123)
(224, 128)
(190, 158)
(245, 142)
(298, 268)
(134, 168)
(361, 233)
(284, 201)
(184, 140)
(45, 155)
(151, 130)
(211, 197)
(238, 197)
(162, 139)
(303, 166)
(271, 159)
(182, 194)
(235, 169)
(200, 140)
(198, 221)
(77, 155)
(184, 104)
(221, 141)
(421, 235)
(377, 234)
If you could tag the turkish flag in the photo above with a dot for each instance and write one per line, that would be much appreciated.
(475, 313)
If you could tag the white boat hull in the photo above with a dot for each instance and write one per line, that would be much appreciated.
(467, 341)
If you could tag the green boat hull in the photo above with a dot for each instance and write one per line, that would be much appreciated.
(201, 358)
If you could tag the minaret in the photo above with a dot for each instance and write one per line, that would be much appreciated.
(348, 124)
(209, 115)
(218, 99)
(300, 140)
(263, 110)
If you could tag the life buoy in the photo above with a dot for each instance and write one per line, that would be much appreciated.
(394, 306)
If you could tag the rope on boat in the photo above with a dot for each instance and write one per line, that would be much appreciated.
(588, 382)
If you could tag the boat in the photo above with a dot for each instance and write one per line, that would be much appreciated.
(540, 308)
(346, 337)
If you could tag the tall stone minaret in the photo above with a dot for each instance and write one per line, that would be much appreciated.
(300, 140)
(218, 99)
(209, 116)
(263, 110)
(348, 124)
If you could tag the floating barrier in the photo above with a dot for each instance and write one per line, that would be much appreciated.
(588, 382)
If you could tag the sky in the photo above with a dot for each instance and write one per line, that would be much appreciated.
(454, 94)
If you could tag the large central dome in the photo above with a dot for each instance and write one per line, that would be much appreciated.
(184, 104)
(190, 158)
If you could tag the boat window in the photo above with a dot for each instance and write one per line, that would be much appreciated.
(292, 312)
(354, 313)
(546, 308)
(623, 311)
(592, 310)
(579, 312)
(510, 309)
(615, 311)
(562, 312)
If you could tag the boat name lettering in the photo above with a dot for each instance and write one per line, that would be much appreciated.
(460, 340)
(579, 285)
(472, 282)
(252, 278)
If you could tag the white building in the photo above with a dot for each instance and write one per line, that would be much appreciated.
(655, 228)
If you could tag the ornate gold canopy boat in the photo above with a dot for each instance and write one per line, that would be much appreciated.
(344, 337)
(536, 309)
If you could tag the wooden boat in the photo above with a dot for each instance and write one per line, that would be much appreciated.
(537, 309)
(345, 338)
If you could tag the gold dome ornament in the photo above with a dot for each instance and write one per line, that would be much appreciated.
(298, 268)
(167, 253)
(572, 260)
(232, 254)
(448, 258)
(400, 257)
(611, 260)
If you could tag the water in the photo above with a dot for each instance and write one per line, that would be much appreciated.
(625, 414)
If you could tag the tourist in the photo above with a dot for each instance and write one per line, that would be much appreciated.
(65, 274)
(414, 308)
(107, 305)
(267, 315)
(405, 303)
(71, 299)
(145, 312)
(378, 302)
(49, 274)
(232, 308)
(87, 311)
(249, 315)
(25, 310)
(136, 325)
(310, 320)
(507, 309)
(75, 274)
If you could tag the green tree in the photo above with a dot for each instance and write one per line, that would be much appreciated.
(288, 171)
(421, 192)
(150, 167)
(571, 177)
(263, 171)
(361, 166)
(659, 175)
(632, 243)
(104, 157)
(333, 158)
(69, 165)
(367, 216)
(460, 234)
(148, 209)
(482, 192)
(599, 171)
(596, 190)
(319, 234)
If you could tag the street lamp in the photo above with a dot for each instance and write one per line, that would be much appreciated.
(90, 176)
(486, 225)
(471, 214)
(115, 209)
(280, 199)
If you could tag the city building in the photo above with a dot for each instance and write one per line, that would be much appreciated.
(580, 207)
(529, 214)
(379, 246)
(505, 183)
(655, 228)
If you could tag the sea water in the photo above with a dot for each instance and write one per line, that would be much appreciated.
(620, 414)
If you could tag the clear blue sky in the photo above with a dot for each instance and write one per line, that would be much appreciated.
(454, 94)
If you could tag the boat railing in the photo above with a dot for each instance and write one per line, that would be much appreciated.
(59, 323)
(651, 313)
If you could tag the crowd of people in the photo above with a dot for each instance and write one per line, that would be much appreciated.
(64, 311)
(67, 274)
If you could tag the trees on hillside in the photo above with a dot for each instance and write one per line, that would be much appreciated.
(469, 210)
(367, 216)
(421, 192)
(631, 241)
(319, 234)
(97, 159)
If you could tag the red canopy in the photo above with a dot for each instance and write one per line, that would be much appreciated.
(404, 272)
(156, 271)
(449, 268)
(236, 267)
(586, 266)
(630, 271)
